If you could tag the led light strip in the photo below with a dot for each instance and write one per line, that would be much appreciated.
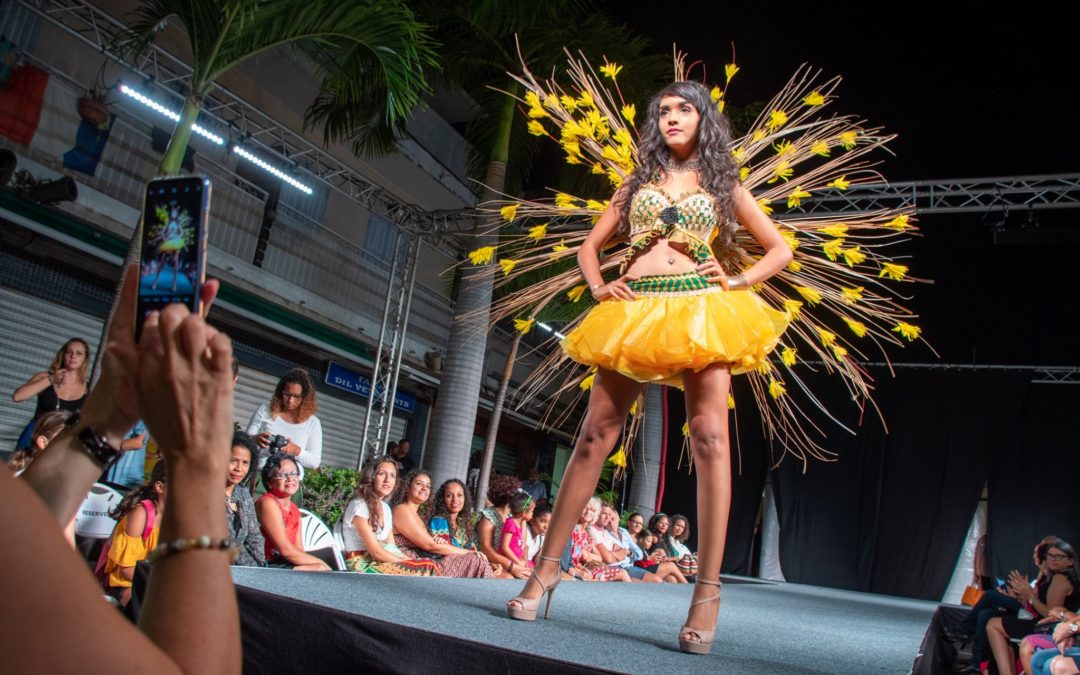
(552, 330)
(175, 117)
(270, 168)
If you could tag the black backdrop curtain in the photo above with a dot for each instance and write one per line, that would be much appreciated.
(890, 515)
(1034, 488)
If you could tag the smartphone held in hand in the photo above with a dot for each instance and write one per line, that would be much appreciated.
(172, 266)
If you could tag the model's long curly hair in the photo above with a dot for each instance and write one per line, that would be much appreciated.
(719, 174)
(308, 405)
(365, 488)
(438, 507)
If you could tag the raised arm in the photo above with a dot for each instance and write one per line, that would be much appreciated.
(32, 387)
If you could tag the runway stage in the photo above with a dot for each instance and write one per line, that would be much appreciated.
(343, 622)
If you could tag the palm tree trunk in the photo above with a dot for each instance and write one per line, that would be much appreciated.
(650, 438)
(496, 417)
(454, 417)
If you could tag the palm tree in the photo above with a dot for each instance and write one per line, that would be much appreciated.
(371, 56)
(481, 42)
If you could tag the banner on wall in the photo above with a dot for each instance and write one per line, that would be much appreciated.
(20, 103)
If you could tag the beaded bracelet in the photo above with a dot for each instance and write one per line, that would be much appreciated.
(192, 544)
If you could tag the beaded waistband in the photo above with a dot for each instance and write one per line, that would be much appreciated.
(687, 283)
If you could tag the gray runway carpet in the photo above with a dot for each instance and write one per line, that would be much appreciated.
(763, 629)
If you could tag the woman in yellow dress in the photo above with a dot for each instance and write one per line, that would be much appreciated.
(673, 316)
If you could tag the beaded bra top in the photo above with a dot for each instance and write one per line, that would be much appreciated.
(690, 219)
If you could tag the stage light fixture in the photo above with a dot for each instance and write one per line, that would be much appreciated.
(271, 169)
(63, 189)
(174, 116)
(8, 162)
(551, 330)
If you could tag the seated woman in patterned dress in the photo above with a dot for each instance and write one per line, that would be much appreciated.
(414, 540)
(585, 559)
(489, 526)
(369, 527)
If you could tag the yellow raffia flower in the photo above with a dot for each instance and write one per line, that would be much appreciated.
(716, 94)
(899, 223)
(619, 457)
(597, 168)
(730, 70)
(790, 238)
(573, 152)
(568, 102)
(585, 100)
(730, 401)
(551, 101)
(857, 327)
(782, 171)
(720, 106)
(893, 271)
(835, 230)
(507, 265)
(776, 388)
(827, 337)
(576, 292)
(482, 255)
(909, 331)
(808, 294)
(532, 99)
(792, 307)
(764, 204)
(848, 139)
(537, 233)
(797, 195)
(784, 147)
(610, 69)
(536, 129)
(851, 295)
(788, 356)
(686, 429)
(634, 408)
(739, 154)
(571, 130)
(777, 119)
(795, 266)
(814, 98)
(615, 177)
(536, 110)
(509, 212)
(853, 256)
(599, 124)
(587, 383)
(839, 352)
(840, 183)
(594, 205)
(622, 137)
(565, 201)
(560, 247)
(629, 111)
(759, 135)
(821, 148)
(523, 326)
(832, 248)
(744, 172)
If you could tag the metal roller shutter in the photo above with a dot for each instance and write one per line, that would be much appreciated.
(31, 332)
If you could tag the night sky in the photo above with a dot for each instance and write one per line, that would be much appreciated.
(972, 93)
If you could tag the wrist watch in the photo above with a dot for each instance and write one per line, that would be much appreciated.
(1073, 627)
(96, 445)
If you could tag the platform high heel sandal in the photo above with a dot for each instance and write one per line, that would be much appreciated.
(528, 608)
(703, 645)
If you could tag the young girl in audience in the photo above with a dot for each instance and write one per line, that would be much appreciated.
(136, 534)
(513, 534)
(492, 520)
(279, 517)
(47, 427)
(538, 526)
(369, 526)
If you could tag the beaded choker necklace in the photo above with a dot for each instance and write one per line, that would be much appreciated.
(672, 166)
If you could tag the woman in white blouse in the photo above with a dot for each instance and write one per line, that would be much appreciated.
(291, 414)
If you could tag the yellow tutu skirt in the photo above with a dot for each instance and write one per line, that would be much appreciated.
(676, 323)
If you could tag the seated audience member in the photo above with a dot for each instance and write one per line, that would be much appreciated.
(677, 536)
(45, 429)
(240, 515)
(663, 571)
(660, 525)
(136, 534)
(609, 542)
(189, 620)
(492, 519)
(291, 415)
(512, 544)
(635, 524)
(1058, 587)
(64, 386)
(400, 453)
(416, 543)
(534, 487)
(538, 527)
(452, 514)
(279, 517)
(368, 528)
(584, 553)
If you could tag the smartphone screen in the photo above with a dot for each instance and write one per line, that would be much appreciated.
(172, 266)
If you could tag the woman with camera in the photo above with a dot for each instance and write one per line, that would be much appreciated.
(288, 424)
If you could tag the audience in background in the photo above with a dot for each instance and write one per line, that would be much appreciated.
(538, 527)
(416, 543)
(490, 525)
(136, 534)
(584, 557)
(400, 452)
(64, 386)
(45, 429)
(512, 544)
(290, 415)
(368, 528)
(534, 487)
(451, 520)
(239, 508)
(662, 571)
(279, 517)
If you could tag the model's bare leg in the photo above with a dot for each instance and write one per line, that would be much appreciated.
(707, 415)
(609, 404)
